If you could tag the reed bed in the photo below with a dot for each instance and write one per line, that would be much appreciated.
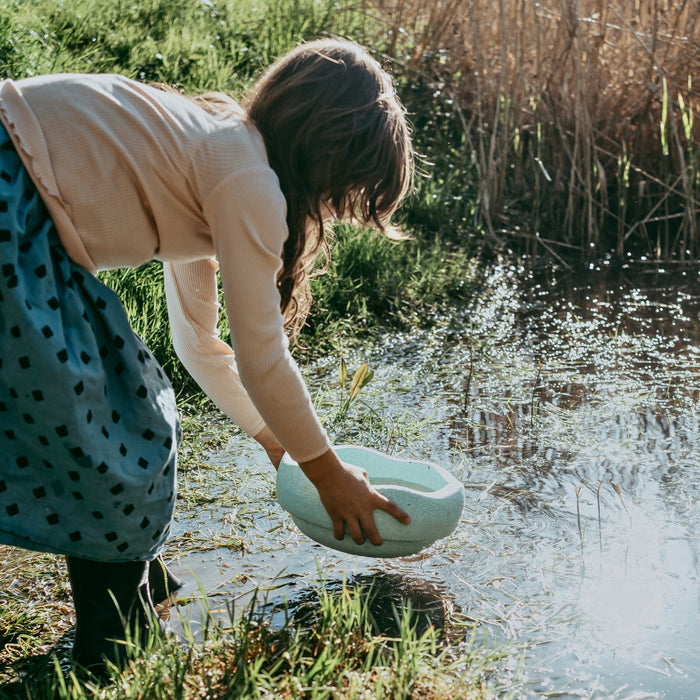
(579, 117)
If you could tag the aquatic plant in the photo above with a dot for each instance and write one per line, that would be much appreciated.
(362, 376)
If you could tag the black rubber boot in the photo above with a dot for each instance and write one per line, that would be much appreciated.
(163, 586)
(162, 583)
(112, 604)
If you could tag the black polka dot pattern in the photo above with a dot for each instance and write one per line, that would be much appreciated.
(88, 423)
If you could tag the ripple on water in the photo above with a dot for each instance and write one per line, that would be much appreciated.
(568, 404)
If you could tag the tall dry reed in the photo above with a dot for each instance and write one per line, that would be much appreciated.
(582, 113)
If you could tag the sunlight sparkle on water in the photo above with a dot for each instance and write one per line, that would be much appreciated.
(635, 593)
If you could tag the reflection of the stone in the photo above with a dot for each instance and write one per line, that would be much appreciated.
(388, 597)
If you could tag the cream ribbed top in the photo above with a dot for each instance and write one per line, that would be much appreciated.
(130, 173)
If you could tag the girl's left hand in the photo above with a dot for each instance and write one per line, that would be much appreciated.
(274, 450)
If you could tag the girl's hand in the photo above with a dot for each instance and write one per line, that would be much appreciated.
(274, 450)
(349, 498)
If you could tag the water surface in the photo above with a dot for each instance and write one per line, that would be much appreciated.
(568, 406)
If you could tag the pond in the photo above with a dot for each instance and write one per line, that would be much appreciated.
(568, 404)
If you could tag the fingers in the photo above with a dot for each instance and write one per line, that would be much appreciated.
(355, 530)
(383, 503)
(338, 528)
(372, 533)
(390, 507)
(364, 527)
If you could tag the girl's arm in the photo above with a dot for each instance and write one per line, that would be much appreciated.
(246, 214)
(192, 294)
(247, 218)
(191, 290)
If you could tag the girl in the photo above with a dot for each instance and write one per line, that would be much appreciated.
(99, 171)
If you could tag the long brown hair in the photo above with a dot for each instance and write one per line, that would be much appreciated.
(337, 137)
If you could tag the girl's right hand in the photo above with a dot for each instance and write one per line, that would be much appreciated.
(349, 498)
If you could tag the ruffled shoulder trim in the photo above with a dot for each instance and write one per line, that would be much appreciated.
(28, 138)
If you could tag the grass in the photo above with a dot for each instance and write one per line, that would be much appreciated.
(576, 122)
(196, 45)
(329, 645)
(376, 284)
(558, 127)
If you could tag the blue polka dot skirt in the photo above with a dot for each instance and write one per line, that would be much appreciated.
(88, 421)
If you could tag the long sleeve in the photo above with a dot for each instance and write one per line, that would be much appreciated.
(256, 381)
(191, 290)
(246, 214)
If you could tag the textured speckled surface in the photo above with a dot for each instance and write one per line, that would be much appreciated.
(428, 493)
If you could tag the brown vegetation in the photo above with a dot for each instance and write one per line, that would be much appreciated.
(583, 113)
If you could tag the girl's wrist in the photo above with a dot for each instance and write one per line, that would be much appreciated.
(271, 445)
(322, 467)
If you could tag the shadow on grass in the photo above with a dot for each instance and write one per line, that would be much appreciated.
(382, 632)
(391, 602)
(33, 675)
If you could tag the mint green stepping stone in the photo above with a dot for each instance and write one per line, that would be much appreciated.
(428, 493)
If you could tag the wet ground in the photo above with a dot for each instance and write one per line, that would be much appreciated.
(568, 404)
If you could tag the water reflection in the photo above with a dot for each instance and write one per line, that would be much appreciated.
(568, 404)
(596, 445)
(387, 596)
